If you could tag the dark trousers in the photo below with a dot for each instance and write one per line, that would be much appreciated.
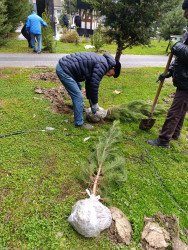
(26, 35)
(175, 117)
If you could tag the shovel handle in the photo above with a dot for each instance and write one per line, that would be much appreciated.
(160, 85)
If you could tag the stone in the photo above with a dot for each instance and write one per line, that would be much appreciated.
(120, 229)
(154, 237)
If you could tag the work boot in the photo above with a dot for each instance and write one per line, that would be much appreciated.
(85, 125)
(176, 137)
(158, 143)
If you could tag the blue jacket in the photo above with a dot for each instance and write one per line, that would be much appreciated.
(88, 67)
(33, 23)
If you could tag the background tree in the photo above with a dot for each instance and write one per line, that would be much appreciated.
(169, 5)
(4, 27)
(171, 20)
(172, 23)
(17, 11)
(97, 39)
(47, 34)
(40, 7)
(129, 22)
(70, 5)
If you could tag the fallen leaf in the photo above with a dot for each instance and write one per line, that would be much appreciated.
(87, 138)
(117, 92)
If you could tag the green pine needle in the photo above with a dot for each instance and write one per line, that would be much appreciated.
(105, 168)
(133, 111)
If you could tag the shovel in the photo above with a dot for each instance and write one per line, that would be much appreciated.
(147, 124)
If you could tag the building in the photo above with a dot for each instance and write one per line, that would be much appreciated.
(58, 8)
(88, 17)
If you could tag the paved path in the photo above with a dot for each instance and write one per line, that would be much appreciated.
(27, 60)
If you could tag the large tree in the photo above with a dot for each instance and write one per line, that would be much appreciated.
(171, 20)
(169, 5)
(129, 22)
(17, 11)
(70, 5)
(172, 23)
(4, 27)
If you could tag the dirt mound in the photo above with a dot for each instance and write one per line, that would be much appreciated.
(48, 76)
(120, 230)
(56, 97)
(3, 76)
(169, 222)
(167, 100)
(172, 94)
(162, 231)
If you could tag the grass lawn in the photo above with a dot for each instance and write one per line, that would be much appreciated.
(17, 46)
(39, 170)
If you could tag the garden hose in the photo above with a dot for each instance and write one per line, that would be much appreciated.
(157, 174)
(29, 131)
(127, 138)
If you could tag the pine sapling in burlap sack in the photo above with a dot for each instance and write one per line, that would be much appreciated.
(104, 170)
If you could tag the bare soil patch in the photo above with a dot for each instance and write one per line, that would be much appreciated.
(48, 76)
(172, 94)
(56, 97)
(3, 76)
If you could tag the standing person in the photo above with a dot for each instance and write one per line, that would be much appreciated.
(88, 67)
(65, 20)
(33, 26)
(26, 35)
(77, 20)
(178, 70)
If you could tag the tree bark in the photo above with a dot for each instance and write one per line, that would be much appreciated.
(119, 50)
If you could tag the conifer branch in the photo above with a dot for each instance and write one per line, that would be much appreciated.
(104, 162)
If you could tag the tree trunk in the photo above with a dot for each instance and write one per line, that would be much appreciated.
(49, 5)
(119, 50)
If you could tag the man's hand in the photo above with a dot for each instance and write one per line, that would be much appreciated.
(162, 77)
(94, 107)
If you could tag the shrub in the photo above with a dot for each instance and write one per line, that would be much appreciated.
(98, 39)
(17, 11)
(108, 40)
(70, 37)
(47, 34)
(84, 39)
(4, 27)
(91, 39)
(65, 30)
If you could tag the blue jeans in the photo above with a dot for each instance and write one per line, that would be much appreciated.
(74, 89)
(38, 36)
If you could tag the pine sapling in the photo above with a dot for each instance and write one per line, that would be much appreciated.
(89, 217)
(47, 34)
(105, 168)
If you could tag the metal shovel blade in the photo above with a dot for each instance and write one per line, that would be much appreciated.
(147, 124)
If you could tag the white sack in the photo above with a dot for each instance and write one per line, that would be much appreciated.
(101, 113)
(89, 217)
